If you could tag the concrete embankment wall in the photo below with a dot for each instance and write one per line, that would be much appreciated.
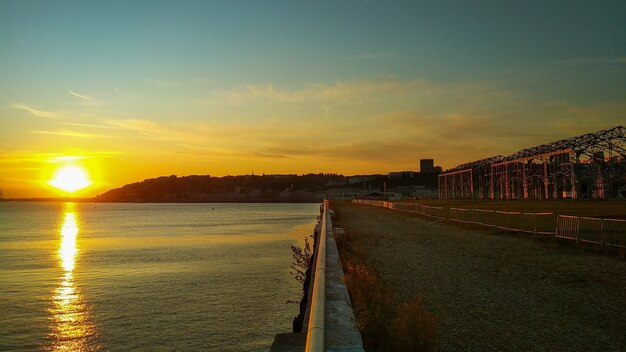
(337, 328)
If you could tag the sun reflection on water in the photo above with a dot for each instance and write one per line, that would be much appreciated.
(71, 327)
(67, 250)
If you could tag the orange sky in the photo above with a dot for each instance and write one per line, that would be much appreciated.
(131, 93)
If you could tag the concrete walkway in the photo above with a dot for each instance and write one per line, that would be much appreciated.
(341, 333)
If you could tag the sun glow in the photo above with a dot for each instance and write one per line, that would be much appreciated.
(70, 179)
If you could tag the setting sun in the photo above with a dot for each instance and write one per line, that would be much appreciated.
(70, 179)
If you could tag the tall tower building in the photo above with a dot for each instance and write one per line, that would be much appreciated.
(427, 165)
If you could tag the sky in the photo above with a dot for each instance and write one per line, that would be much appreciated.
(130, 90)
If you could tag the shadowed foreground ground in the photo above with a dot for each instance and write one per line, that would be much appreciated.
(495, 292)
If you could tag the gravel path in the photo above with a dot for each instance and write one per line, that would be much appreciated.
(496, 292)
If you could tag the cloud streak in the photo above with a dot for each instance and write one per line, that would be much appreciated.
(85, 99)
(342, 92)
(36, 112)
(162, 83)
(378, 55)
(595, 61)
(152, 130)
(33, 156)
(86, 125)
(74, 134)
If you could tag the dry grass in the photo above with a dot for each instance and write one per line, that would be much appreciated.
(413, 328)
(489, 292)
(385, 323)
(373, 305)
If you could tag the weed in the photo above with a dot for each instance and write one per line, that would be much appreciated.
(385, 324)
(301, 270)
(301, 260)
(373, 305)
(413, 327)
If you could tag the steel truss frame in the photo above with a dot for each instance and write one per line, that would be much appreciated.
(592, 165)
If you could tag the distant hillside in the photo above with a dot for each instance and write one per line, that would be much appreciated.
(264, 188)
(252, 188)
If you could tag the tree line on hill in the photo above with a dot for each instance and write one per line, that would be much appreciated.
(251, 188)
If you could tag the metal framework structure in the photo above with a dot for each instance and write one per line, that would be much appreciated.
(589, 166)
(469, 180)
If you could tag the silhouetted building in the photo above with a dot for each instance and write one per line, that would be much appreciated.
(401, 174)
(427, 166)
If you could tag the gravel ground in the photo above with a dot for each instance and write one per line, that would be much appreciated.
(493, 291)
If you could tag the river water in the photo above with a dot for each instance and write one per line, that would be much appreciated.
(148, 277)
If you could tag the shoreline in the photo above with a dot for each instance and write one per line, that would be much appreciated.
(91, 200)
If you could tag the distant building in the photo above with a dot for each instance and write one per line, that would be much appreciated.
(401, 174)
(425, 192)
(414, 191)
(427, 166)
(360, 179)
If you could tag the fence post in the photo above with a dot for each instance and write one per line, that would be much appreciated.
(601, 232)
(535, 222)
(556, 230)
(508, 218)
(577, 228)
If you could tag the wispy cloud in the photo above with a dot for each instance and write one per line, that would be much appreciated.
(594, 61)
(86, 125)
(36, 112)
(151, 129)
(72, 134)
(371, 56)
(162, 83)
(342, 92)
(84, 99)
(33, 156)
(203, 150)
(64, 158)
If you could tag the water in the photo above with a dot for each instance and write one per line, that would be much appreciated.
(148, 277)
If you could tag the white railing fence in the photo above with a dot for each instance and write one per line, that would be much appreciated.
(610, 232)
(614, 232)
(567, 227)
(316, 333)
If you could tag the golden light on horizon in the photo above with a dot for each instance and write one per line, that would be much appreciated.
(70, 178)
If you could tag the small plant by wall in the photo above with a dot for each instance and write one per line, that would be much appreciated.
(413, 327)
(301, 260)
(301, 271)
